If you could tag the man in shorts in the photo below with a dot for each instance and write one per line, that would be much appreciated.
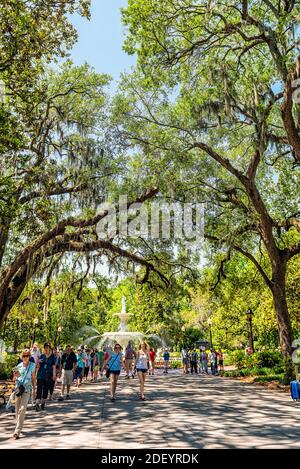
(129, 357)
(68, 364)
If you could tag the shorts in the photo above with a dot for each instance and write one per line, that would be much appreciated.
(96, 368)
(67, 377)
(185, 361)
(221, 362)
(78, 372)
(129, 362)
(115, 372)
(142, 370)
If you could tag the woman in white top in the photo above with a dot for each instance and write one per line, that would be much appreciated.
(142, 359)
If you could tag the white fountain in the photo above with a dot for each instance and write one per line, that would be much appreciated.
(123, 336)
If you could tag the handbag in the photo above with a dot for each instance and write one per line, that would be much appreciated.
(107, 374)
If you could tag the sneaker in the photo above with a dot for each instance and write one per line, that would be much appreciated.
(37, 407)
(43, 406)
(60, 398)
(16, 436)
(67, 397)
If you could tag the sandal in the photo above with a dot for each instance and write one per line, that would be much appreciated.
(16, 436)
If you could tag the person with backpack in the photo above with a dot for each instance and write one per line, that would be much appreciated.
(24, 375)
(193, 361)
(166, 360)
(46, 372)
(129, 357)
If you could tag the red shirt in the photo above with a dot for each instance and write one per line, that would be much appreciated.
(152, 356)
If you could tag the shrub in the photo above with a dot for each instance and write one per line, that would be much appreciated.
(175, 364)
(268, 359)
(262, 379)
(237, 358)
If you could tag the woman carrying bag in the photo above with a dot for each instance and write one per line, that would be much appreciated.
(114, 369)
(24, 374)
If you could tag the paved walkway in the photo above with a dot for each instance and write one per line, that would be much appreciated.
(180, 412)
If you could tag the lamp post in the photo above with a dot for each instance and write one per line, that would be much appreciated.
(35, 323)
(59, 331)
(249, 314)
(209, 322)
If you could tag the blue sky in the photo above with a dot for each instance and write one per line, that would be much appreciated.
(100, 39)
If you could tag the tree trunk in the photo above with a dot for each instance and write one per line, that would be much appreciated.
(283, 318)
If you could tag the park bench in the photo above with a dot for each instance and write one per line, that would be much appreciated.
(5, 390)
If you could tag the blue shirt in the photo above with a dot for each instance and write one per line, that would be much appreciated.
(166, 356)
(80, 363)
(46, 367)
(25, 377)
(115, 361)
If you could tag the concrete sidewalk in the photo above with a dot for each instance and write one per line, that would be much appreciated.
(181, 411)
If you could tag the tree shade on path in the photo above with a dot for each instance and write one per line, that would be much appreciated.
(181, 412)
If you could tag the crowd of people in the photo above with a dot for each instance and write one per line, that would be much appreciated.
(37, 372)
(193, 362)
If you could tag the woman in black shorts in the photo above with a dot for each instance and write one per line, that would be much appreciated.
(142, 359)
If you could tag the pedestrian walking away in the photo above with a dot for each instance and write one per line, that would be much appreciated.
(166, 360)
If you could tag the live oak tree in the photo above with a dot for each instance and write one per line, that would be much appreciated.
(212, 105)
(54, 181)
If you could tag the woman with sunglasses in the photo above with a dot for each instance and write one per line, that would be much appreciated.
(114, 366)
(24, 374)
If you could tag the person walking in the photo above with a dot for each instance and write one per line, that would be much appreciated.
(221, 359)
(92, 360)
(142, 358)
(24, 375)
(152, 356)
(216, 362)
(80, 367)
(87, 364)
(212, 359)
(46, 372)
(166, 360)
(129, 357)
(96, 365)
(114, 362)
(68, 364)
(100, 355)
(185, 360)
(35, 353)
(204, 361)
(57, 374)
(193, 361)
